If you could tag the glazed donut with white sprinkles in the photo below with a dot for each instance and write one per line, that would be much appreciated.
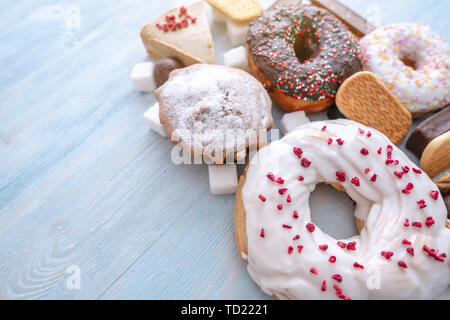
(404, 239)
(422, 84)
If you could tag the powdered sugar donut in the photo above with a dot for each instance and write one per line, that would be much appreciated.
(214, 111)
(403, 242)
(424, 84)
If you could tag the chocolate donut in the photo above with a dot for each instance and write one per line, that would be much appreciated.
(301, 54)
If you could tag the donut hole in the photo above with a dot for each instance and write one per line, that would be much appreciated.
(333, 211)
(306, 46)
(409, 61)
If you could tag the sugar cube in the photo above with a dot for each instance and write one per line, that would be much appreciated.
(223, 178)
(236, 58)
(152, 117)
(292, 120)
(236, 32)
(142, 76)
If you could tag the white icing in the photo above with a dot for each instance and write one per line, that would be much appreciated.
(380, 204)
(427, 87)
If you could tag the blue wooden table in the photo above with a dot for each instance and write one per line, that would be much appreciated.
(85, 187)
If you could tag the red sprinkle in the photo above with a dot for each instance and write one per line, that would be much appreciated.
(434, 253)
(324, 128)
(361, 131)
(389, 161)
(263, 199)
(305, 163)
(341, 244)
(387, 254)
(262, 233)
(295, 214)
(280, 206)
(338, 290)
(369, 134)
(389, 148)
(374, 177)
(288, 199)
(405, 169)
(429, 222)
(434, 194)
(300, 178)
(290, 249)
(323, 247)
(406, 224)
(330, 140)
(357, 265)
(310, 227)
(355, 181)
(299, 248)
(340, 141)
(332, 259)
(314, 270)
(410, 251)
(399, 174)
(418, 171)
(324, 286)
(421, 204)
(280, 180)
(287, 226)
(379, 150)
(417, 224)
(298, 151)
(296, 237)
(366, 170)
(408, 243)
(351, 246)
(402, 264)
(364, 151)
(271, 176)
(340, 176)
(282, 190)
(337, 277)
(408, 188)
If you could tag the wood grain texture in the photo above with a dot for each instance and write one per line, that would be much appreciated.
(82, 179)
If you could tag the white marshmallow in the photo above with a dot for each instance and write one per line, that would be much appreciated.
(236, 58)
(152, 117)
(290, 121)
(218, 16)
(142, 76)
(223, 178)
(236, 32)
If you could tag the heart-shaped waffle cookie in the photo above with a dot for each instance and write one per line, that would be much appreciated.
(364, 98)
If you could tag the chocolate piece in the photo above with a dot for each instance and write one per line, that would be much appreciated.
(334, 113)
(163, 68)
(356, 24)
(431, 128)
(447, 204)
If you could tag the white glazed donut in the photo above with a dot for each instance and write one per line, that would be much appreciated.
(404, 240)
(423, 89)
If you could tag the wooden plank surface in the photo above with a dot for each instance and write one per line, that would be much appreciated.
(82, 179)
